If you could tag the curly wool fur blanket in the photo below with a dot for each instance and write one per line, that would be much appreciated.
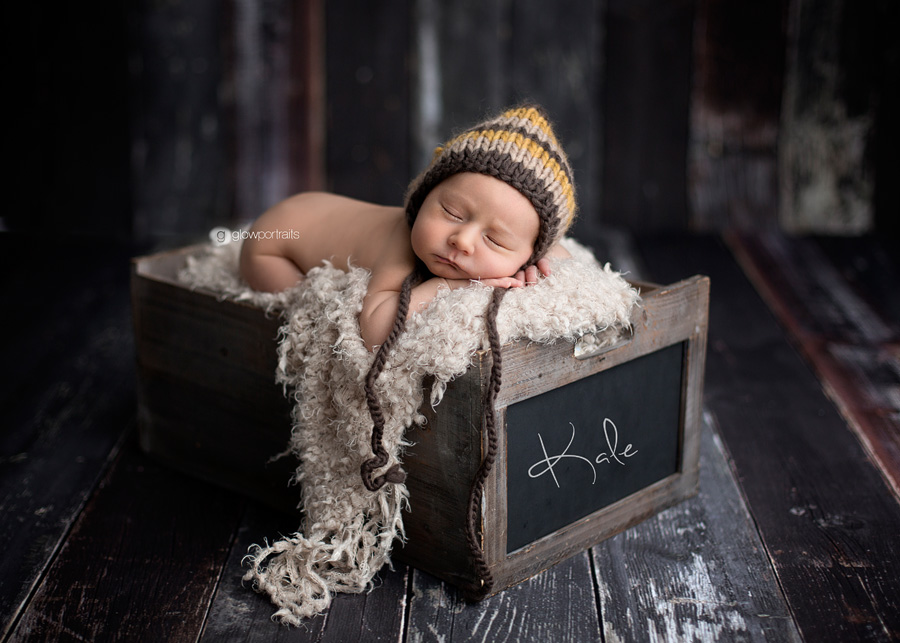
(347, 531)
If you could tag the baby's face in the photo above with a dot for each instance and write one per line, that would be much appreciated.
(473, 226)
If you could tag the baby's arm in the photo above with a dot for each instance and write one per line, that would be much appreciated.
(265, 264)
(393, 265)
(268, 272)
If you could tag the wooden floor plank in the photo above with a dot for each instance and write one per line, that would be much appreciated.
(240, 614)
(67, 394)
(825, 515)
(839, 327)
(237, 613)
(870, 265)
(556, 605)
(142, 561)
(697, 571)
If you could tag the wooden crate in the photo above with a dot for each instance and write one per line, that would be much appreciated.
(207, 400)
(589, 444)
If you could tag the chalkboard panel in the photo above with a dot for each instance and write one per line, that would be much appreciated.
(583, 446)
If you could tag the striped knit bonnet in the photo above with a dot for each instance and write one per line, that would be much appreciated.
(519, 148)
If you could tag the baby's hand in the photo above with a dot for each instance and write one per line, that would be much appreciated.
(530, 275)
(527, 277)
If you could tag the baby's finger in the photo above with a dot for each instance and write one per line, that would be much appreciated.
(543, 265)
(531, 275)
(503, 282)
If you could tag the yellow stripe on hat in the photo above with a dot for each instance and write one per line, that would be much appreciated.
(532, 115)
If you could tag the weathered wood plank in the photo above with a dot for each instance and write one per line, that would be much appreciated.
(735, 105)
(557, 605)
(306, 98)
(870, 266)
(850, 346)
(206, 371)
(67, 393)
(366, 57)
(459, 73)
(697, 571)
(825, 515)
(831, 94)
(239, 614)
(441, 464)
(141, 562)
(645, 106)
(555, 51)
(276, 69)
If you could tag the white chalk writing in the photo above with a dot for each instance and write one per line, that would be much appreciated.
(612, 454)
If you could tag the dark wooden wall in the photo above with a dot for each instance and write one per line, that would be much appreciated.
(157, 121)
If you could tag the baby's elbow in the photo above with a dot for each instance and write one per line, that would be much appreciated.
(367, 331)
(268, 273)
(376, 320)
(372, 337)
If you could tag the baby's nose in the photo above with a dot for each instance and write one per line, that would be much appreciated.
(464, 239)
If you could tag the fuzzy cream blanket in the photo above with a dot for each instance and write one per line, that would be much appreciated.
(347, 531)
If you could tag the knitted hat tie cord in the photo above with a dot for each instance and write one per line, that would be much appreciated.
(519, 148)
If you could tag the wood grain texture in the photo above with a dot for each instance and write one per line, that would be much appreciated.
(736, 98)
(239, 614)
(67, 393)
(646, 99)
(869, 265)
(441, 466)
(206, 379)
(277, 107)
(697, 571)
(141, 561)
(826, 517)
(850, 343)
(557, 605)
(556, 55)
(830, 97)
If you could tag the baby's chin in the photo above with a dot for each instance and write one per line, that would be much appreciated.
(445, 271)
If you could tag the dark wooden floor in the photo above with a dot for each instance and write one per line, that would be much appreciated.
(794, 535)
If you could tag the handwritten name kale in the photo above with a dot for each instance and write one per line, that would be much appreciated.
(610, 433)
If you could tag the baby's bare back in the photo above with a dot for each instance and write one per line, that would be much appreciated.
(313, 227)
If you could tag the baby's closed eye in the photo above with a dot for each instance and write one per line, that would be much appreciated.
(450, 214)
(494, 242)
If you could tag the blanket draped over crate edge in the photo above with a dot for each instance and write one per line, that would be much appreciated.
(347, 531)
